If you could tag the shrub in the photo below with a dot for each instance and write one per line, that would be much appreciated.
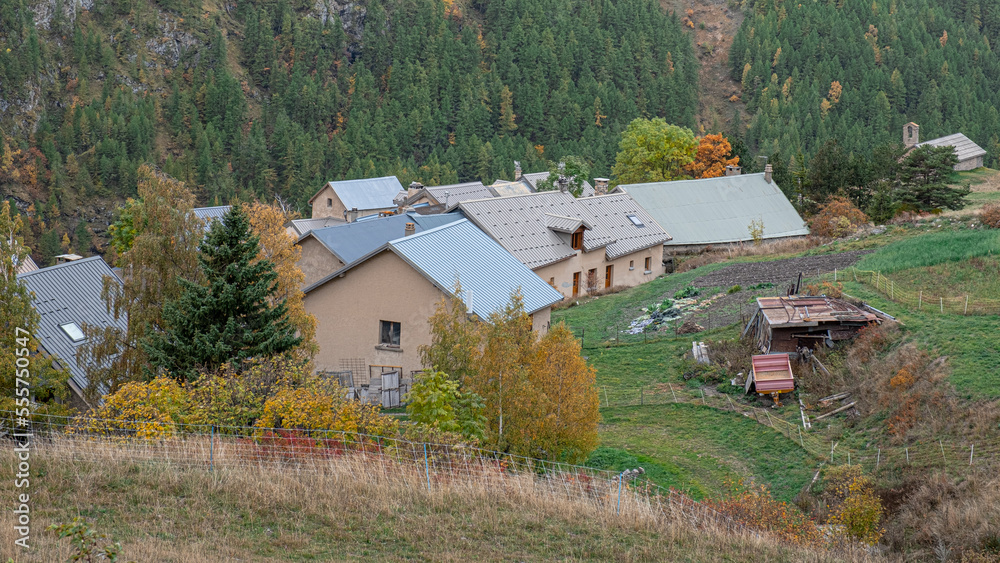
(735, 289)
(435, 401)
(85, 541)
(990, 215)
(753, 505)
(321, 404)
(855, 508)
(838, 217)
(149, 409)
(686, 292)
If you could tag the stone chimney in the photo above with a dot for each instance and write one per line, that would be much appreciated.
(351, 215)
(409, 230)
(911, 134)
(414, 188)
(733, 170)
(601, 186)
(517, 170)
(767, 173)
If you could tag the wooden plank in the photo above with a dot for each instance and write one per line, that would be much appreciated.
(835, 411)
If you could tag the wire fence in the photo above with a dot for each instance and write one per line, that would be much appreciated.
(954, 456)
(423, 464)
(920, 300)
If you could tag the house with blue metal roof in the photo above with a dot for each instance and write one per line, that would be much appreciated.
(372, 314)
(67, 298)
(331, 248)
(350, 199)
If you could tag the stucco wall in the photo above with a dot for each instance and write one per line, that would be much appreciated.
(316, 261)
(319, 208)
(348, 311)
(585, 261)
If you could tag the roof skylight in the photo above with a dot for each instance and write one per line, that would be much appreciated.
(73, 331)
(635, 220)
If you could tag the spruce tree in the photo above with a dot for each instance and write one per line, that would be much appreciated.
(228, 318)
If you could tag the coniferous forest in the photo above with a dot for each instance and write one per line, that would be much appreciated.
(856, 71)
(265, 98)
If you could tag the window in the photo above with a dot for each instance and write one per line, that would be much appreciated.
(73, 331)
(635, 220)
(329, 202)
(577, 240)
(631, 265)
(576, 284)
(552, 281)
(608, 272)
(649, 264)
(389, 333)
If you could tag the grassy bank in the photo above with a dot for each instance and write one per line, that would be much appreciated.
(170, 514)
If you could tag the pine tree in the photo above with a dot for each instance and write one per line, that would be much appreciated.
(227, 319)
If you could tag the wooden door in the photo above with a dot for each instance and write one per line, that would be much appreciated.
(608, 272)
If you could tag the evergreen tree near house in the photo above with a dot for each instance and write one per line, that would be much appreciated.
(228, 318)
(923, 177)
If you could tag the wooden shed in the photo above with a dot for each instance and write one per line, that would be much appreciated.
(788, 324)
(771, 375)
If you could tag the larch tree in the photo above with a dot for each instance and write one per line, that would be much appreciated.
(278, 247)
(156, 241)
(567, 396)
(713, 156)
(19, 358)
(652, 150)
(229, 318)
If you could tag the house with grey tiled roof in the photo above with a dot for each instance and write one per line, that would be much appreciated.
(350, 199)
(68, 298)
(970, 155)
(578, 245)
(447, 196)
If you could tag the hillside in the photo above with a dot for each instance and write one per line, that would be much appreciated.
(269, 99)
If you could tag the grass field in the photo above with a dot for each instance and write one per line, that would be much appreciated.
(700, 450)
(932, 249)
(170, 514)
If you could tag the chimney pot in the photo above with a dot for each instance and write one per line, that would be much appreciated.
(767, 173)
(351, 215)
(410, 229)
(414, 188)
(601, 186)
(733, 170)
(517, 170)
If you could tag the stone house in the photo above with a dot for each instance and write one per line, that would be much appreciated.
(970, 155)
(350, 199)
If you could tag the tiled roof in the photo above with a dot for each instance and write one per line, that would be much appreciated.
(28, 265)
(352, 241)
(366, 193)
(718, 210)
(564, 224)
(70, 293)
(613, 212)
(965, 148)
(522, 225)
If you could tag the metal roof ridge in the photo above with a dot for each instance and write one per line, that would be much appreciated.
(64, 264)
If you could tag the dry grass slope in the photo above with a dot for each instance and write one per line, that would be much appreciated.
(351, 510)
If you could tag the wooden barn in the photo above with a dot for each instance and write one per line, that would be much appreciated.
(788, 324)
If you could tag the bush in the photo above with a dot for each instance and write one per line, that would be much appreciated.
(752, 505)
(990, 215)
(838, 217)
(855, 508)
(686, 292)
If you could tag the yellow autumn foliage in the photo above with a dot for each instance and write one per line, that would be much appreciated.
(321, 404)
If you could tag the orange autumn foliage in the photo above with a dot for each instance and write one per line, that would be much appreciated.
(712, 157)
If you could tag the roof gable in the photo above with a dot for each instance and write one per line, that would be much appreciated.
(365, 193)
(718, 210)
(350, 242)
(965, 148)
(70, 293)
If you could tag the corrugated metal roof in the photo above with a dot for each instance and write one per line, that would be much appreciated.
(210, 213)
(70, 293)
(487, 272)
(459, 192)
(810, 311)
(28, 265)
(303, 226)
(718, 210)
(367, 193)
(613, 212)
(965, 148)
(352, 241)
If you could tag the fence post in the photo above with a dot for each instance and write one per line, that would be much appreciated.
(972, 450)
(966, 303)
(878, 460)
(211, 449)
(942, 305)
(672, 391)
(606, 403)
(642, 400)
(907, 455)
(619, 509)
(427, 469)
(583, 337)
(943, 460)
(920, 299)
(703, 397)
